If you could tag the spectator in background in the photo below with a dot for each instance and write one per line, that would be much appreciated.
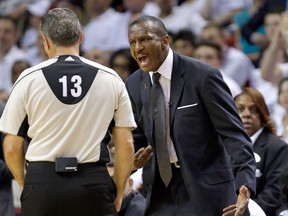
(123, 63)
(273, 64)
(42, 55)
(132, 10)
(269, 150)
(221, 11)
(17, 69)
(211, 54)
(30, 37)
(253, 51)
(184, 42)
(99, 29)
(75, 5)
(248, 31)
(133, 202)
(275, 54)
(17, 9)
(235, 63)
(98, 56)
(9, 53)
(281, 117)
(176, 19)
(192, 6)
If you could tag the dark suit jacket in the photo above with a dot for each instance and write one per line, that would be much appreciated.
(273, 153)
(207, 136)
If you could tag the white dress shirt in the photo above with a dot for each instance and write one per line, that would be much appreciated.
(256, 135)
(165, 80)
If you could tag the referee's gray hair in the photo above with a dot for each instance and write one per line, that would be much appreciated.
(62, 26)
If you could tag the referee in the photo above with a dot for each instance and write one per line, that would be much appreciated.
(65, 106)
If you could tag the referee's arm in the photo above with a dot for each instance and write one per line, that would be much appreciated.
(14, 156)
(124, 151)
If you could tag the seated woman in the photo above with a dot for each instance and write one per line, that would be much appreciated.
(269, 150)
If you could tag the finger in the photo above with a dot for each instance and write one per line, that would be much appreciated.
(148, 150)
(229, 213)
(229, 208)
(150, 155)
(146, 153)
(244, 191)
(239, 212)
(139, 152)
(143, 158)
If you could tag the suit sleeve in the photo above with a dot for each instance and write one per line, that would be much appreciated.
(224, 116)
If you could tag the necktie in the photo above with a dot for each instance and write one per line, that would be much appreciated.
(158, 112)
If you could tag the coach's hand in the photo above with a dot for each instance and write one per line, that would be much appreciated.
(141, 157)
(240, 207)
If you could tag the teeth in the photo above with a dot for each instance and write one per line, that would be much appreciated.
(143, 60)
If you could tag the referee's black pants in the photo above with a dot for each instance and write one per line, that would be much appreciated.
(89, 191)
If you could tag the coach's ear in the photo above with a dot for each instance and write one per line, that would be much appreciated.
(165, 41)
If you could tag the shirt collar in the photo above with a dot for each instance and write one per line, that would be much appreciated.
(256, 135)
(166, 68)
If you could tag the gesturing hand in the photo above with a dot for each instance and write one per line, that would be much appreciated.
(141, 157)
(239, 208)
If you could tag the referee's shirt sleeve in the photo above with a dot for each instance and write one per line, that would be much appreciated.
(123, 114)
(14, 113)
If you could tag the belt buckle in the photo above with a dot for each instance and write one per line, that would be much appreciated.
(176, 164)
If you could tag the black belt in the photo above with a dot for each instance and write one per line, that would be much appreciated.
(51, 165)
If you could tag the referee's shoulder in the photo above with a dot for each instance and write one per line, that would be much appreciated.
(35, 68)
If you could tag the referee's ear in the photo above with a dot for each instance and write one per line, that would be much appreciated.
(46, 44)
(81, 38)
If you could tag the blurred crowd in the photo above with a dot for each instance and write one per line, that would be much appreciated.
(247, 40)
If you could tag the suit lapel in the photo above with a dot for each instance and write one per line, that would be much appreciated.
(177, 84)
(145, 86)
(261, 140)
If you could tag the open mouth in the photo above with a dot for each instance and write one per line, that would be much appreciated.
(143, 60)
